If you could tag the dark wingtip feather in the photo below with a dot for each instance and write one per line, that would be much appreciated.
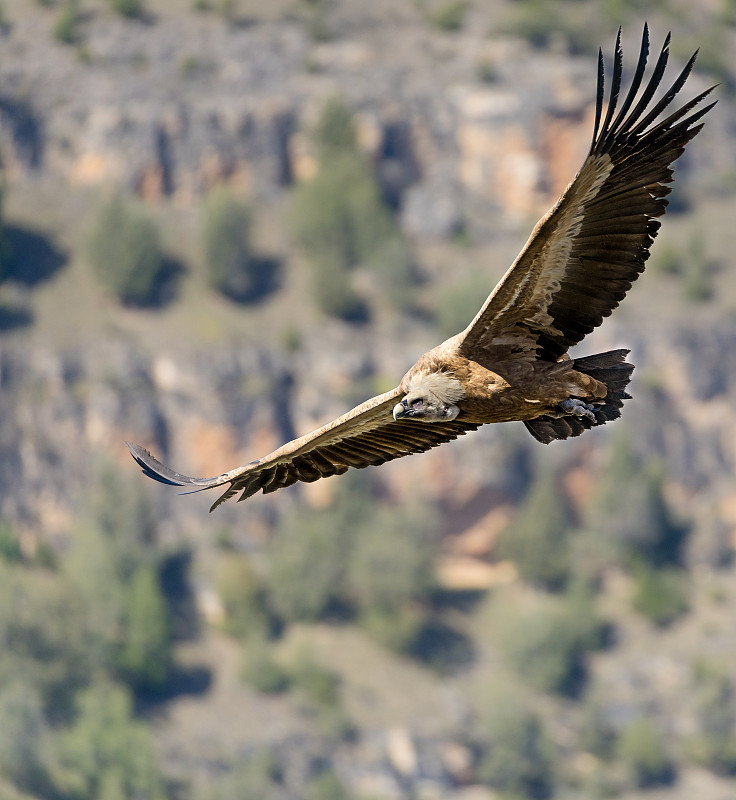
(632, 125)
(618, 68)
(600, 90)
(635, 84)
(153, 468)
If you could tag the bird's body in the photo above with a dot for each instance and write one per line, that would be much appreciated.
(511, 363)
(504, 391)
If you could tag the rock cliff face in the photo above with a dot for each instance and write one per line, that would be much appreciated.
(205, 411)
(472, 135)
(170, 107)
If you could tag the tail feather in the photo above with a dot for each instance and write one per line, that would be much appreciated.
(610, 368)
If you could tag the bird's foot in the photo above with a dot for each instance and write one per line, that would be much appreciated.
(577, 407)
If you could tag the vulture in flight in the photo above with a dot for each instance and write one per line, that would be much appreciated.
(511, 362)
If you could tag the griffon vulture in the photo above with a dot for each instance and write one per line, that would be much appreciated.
(511, 362)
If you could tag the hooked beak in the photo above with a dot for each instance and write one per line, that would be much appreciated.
(401, 409)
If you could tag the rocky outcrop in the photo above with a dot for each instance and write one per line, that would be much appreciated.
(171, 107)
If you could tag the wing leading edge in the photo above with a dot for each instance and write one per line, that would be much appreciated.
(365, 436)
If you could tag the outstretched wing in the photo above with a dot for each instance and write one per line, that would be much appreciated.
(583, 256)
(366, 436)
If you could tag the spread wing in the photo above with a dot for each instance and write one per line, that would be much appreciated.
(583, 256)
(365, 436)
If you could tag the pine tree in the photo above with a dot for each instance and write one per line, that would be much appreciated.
(146, 651)
(537, 540)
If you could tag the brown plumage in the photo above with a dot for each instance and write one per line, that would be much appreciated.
(511, 362)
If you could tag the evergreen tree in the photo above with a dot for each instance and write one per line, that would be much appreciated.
(124, 252)
(307, 564)
(341, 221)
(146, 652)
(106, 753)
(23, 734)
(334, 132)
(714, 745)
(643, 751)
(65, 27)
(518, 758)
(630, 507)
(231, 269)
(128, 8)
(538, 539)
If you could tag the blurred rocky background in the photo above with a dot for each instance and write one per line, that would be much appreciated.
(223, 223)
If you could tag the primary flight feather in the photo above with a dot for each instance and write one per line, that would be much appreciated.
(511, 362)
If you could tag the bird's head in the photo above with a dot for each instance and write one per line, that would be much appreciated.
(432, 397)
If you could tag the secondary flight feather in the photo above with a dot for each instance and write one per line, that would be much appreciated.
(511, 362)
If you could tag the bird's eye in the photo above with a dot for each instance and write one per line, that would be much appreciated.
(418, 403)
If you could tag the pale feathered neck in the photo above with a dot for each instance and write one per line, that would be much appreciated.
(440, 384)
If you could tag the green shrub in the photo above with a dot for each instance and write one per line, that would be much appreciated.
(642, 750)
(256, 777)
(449, 16)
(145, 656)
(106, 753)
(660, 594)
(123, 249)
(261, 669)
(44, 635)
(538, 540)
(340, 221)
(698, 285)
(9, 545)
(486, 71)
(714, 745)
(518, 758)
(326, 786)
(112, 565)
(631, 509)
(534, 20)
(4, 249)
(65, 27)
(316, 683)
(227, 250)
(392, 561)
(228, 9)
(23, 735)
(338, 212)
(546, 642)
(334, 134)
(596, 735)
(243, 597)
(309, 556)
(318, 21)
(397, 629)
(460, 302)
(128, 8)
(306, 567)
(318, 691)
(668, 259)
(390, 573)
(335, 295)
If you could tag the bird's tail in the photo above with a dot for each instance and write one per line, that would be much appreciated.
(610, 368)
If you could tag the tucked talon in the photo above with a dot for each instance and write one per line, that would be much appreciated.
(577, 407)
